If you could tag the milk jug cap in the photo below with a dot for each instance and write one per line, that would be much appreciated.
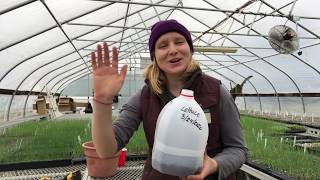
(187, 92)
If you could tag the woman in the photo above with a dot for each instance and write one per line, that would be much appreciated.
(172, 69)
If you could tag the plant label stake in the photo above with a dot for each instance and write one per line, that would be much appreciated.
(261, 134)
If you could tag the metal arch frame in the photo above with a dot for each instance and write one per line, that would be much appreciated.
(26, 77)
(295, 84)
(279, 105)
(124, 24)
(14, 93)
(252, 60)
(155, 10)
(116, 33)
(17, 6)
(268, 56)
(72, 74)
(59, 80)
(225, 76)
(9, 106)
(251, 68)
(144, 24)
(142, 21)
(300, 25)
(290, 18)
(180, 7)
(258, 94)
(253, 86)
(271, 84)
(89, 73)
(29, 58)
(252, 29)
(222, 75)
(52, 27)
(297, 58)
(212, 70)
(41, 32)
(67, 42)
(64, 42)
(238, 61)
(216, 72)
(194, 32)
(36, 82)
(68, 83)
(77, 77)
(203, 9)
(63, 77)
(61, 29)
(132, 52)
(230, 69)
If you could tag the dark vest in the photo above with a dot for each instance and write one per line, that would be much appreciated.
(206, 92)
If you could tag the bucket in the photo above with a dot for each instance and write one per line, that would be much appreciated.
(99, 167)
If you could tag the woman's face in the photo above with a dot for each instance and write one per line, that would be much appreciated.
(172, 53)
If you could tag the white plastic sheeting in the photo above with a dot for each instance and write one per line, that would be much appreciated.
(44, 44)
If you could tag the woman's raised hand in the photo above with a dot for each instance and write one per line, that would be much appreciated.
(107, 81)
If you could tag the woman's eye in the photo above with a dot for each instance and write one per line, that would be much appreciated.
(162, 45)
(180, 42)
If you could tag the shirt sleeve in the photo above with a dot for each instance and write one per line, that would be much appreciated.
(234, 150)
(128, 120)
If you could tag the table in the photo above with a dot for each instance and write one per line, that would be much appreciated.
(132, 170)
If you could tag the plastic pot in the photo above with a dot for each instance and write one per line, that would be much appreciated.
(99, 167)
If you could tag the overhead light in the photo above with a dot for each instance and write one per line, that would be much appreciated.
(215, 49)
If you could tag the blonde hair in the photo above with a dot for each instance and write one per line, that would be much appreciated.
(158, 79)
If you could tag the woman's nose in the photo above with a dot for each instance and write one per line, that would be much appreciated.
(172, 48)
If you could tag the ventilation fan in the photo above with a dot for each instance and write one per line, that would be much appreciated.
(283, 39)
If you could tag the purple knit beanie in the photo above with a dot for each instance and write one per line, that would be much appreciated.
(166, 26)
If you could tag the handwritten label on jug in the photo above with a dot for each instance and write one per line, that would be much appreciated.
(185, 116)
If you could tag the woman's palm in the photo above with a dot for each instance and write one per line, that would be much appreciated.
(106, 78)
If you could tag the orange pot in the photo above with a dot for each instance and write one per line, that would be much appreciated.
(99, 167)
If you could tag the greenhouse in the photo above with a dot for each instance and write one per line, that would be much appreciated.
(264, 52)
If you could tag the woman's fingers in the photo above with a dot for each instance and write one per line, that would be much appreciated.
(194, 177)
(93, 61)
(123, 72)
(106, 54)
(100, 62)
(103, 59)
(115, 57)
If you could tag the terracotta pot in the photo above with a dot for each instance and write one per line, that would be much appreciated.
(99, 167)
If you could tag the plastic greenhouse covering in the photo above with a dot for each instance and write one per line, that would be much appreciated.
(265, 52)
(45, 47)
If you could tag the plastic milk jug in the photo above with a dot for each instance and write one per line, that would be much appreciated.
(180, 137)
